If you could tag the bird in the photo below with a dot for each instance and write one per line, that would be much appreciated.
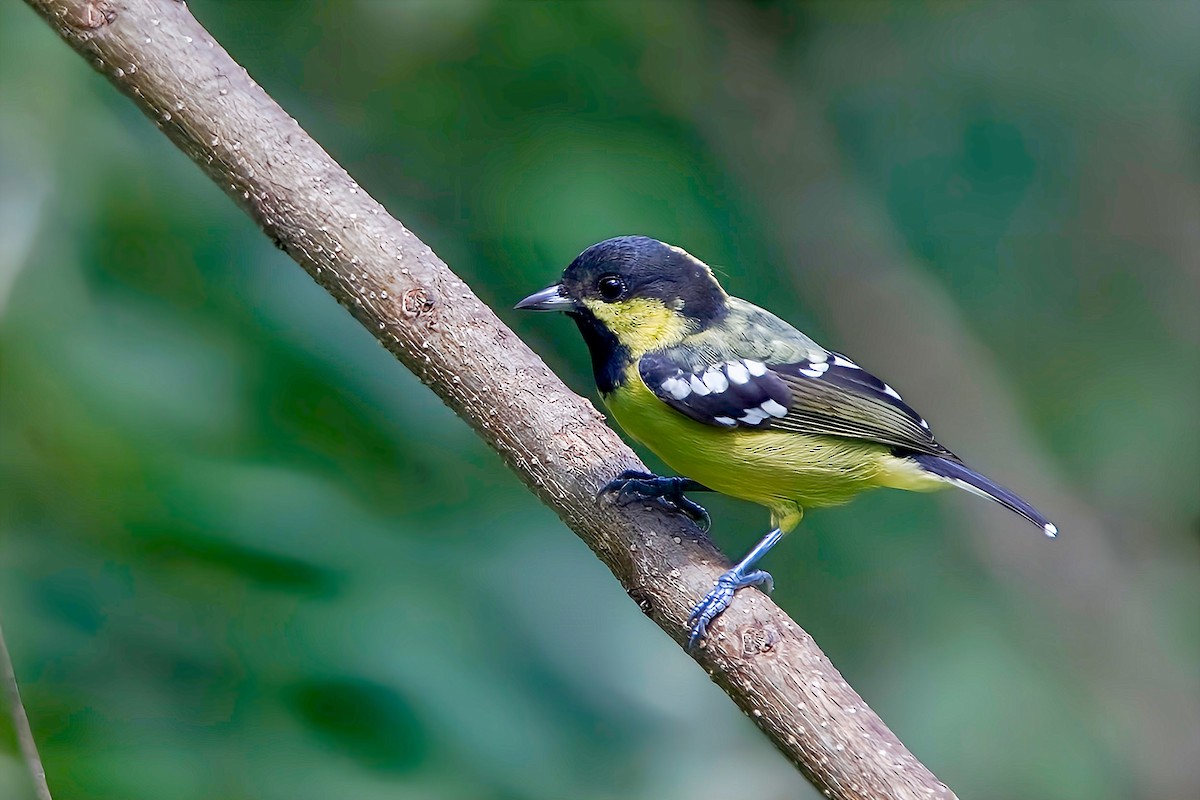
(738, 401)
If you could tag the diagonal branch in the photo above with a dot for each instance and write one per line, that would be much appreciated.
(156, 53)
(20, 720)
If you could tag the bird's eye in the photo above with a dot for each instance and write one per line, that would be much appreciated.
(610, 287)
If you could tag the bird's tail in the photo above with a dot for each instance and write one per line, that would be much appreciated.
(964, 478)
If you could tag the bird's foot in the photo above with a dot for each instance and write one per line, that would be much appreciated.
(719, 598)
(631, 486)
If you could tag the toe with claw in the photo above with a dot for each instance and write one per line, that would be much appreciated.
(631, 486)
(719, 598)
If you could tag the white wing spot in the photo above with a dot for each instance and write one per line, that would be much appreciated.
(891, 392)
(924, 424)
(728, 422)
(842, 361)
(698, 386)
(1051, 529)
(676, 387)
(773, 408)
(737, 372)
(753, 416)
(815, 370)
(715, 379)
(756, 368)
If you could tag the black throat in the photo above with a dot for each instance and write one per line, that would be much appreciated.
(609, 356)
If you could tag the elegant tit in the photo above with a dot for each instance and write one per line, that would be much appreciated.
(740, 402)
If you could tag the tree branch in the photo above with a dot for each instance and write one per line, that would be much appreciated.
(20, 720)
(156, 53)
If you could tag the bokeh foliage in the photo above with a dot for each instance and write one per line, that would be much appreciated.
(246, 555)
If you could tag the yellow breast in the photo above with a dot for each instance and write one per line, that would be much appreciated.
(773, 468)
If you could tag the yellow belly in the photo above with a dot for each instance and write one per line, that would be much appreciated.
(782, 471)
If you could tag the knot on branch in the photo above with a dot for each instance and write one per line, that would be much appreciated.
(757, 640)
(416, 302)
(643, 599)
(89, 16)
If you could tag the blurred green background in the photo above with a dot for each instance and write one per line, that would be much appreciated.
(244, 554)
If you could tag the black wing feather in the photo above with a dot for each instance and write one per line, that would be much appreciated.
(727, 396)
(833, 397)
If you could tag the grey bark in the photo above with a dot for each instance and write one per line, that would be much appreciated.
(20, 723)
(156, 53)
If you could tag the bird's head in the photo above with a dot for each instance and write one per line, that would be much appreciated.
(639, 291)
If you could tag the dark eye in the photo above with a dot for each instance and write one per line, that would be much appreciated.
(610, 287)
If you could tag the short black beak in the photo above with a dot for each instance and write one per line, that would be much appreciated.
(548, 299)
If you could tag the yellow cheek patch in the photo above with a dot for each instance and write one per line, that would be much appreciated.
(641, 324)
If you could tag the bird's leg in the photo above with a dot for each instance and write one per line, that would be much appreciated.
(632, 485)
(721, 595)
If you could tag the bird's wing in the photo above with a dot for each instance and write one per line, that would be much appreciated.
(824, 393)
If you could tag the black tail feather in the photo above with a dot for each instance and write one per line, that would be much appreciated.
(963, 477)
